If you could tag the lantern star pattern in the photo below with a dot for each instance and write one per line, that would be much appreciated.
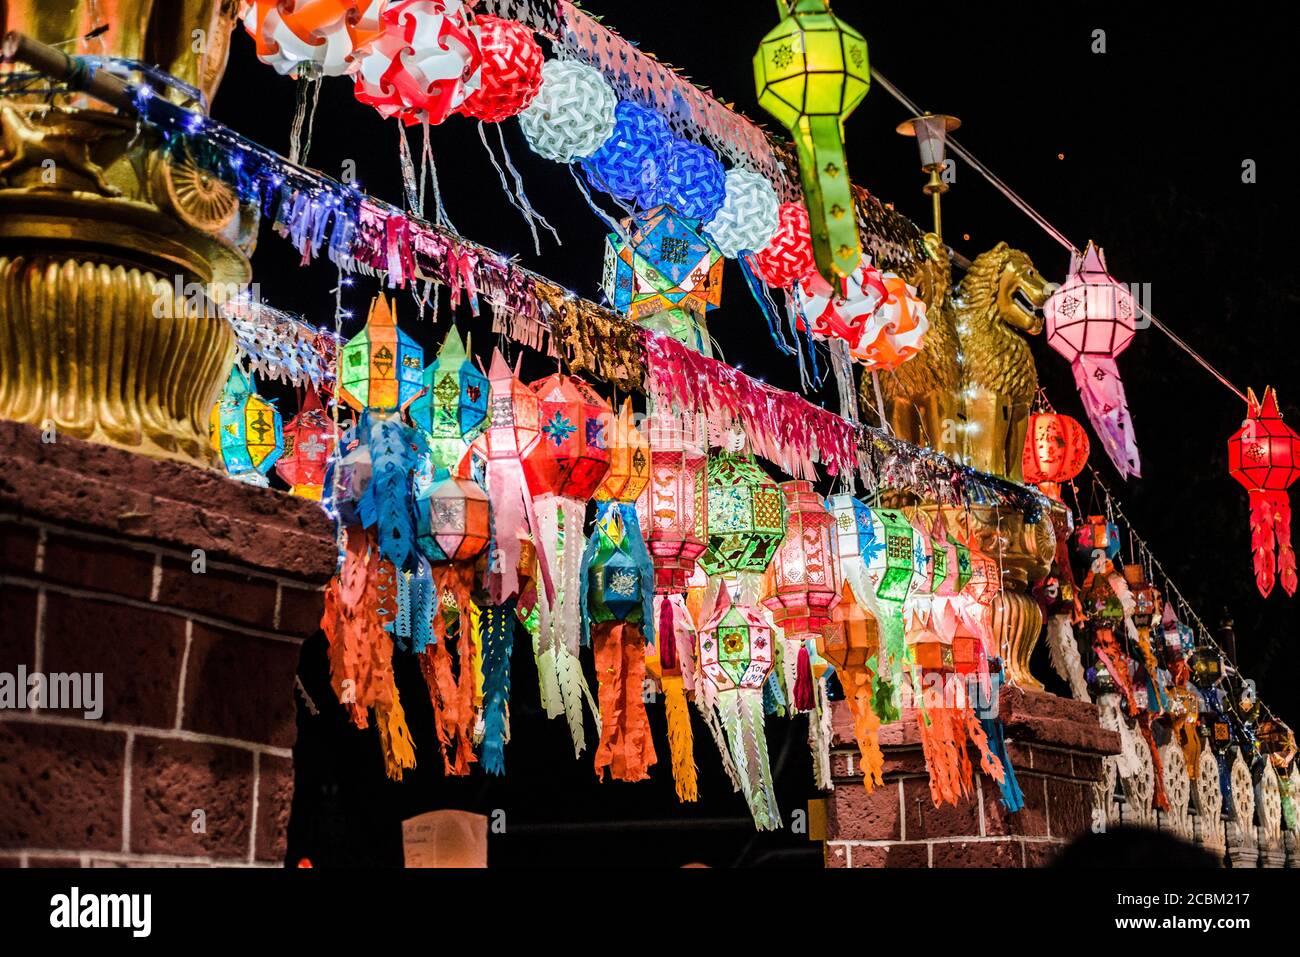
(381, 367)
(747, 517)
(452, 410)
(665, 277)
(245, 430)
(1091, 319)
(736, 658)
(308, 444)
(1264, 456)
(811, 72)
(673, 510)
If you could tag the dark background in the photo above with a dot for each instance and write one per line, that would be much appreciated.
(1140, 148)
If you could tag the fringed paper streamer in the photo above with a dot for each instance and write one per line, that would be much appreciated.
(709, 710)
(548, 678)
(1063, 651)
(387, 502)
(1112, 655)
(1159, 797)
(1102, 392)
(681, 742)
(1270, 541)
(560, 544)
(497, 634)
(452, 697)
(819, 737)
(857, 684)
(573, 688)
(1012, 797)
(1110, 717)
(626, 748)
(395, 737)
(741, 710)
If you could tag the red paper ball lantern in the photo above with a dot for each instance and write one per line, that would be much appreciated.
(788, 256)
(512, 70)
(1056, 448)
(1264, 456)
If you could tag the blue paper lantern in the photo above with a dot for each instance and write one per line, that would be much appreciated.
(627, 164)
(245, 430)
(691, 180)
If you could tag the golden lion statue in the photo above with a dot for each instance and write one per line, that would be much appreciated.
(968, 393)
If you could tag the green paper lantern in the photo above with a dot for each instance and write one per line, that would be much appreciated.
(746, 515)
(811, 72)
(452, 410)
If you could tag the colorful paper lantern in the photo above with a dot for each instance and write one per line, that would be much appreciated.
(572, 114)
(691, 180)
(452, 409)
(245, 430)
(512, 70)
(311, 37)
(747, 517)
(811, 72)
(454, 520)
(1056, 450)
(423, 64)
(381, 367)
(673, 510)
(851, 642)
(805, 586)
(1096, 539)
(1091, 319)
(629, 459)
(749, 215)
(1264, 456)
(787, 259)
(627, 164)
(844, 311)
(308, 443)
(571, 458)
(895, 331)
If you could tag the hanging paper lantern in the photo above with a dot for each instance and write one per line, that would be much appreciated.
(804, 579)
(673, 510)
(691, 180)
(1096, 538)
(787, 258)
(843, 312)
(1091, 319)
(851, 642)
(665, 277)
(572, 114)
(895, 331)
(811, 72)
(381, 366)
(1264, 456)
(512, 70)
(311, 37)
(572, 457)
(452, 409)
(1056, 450)
(627, 164)
(245, 430)
(747, 517)
(736, 658)
(629, 459)
(453, 519)
(749, 215)
(423, 63)
(308, 444)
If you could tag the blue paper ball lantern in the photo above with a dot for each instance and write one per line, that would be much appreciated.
(692, 181)
(627, 165)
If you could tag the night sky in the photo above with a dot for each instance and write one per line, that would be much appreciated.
(1140, 148)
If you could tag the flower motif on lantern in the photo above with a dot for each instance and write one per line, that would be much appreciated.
(308, 444)
(805, 586)
(1264, 456)
(1056, 450)
(747, 517)
(423, 64)
(673, 510)
(452, 410)
(512, 70)
(245, 430)
(381, 367)
(1091, 319)
(311, 37)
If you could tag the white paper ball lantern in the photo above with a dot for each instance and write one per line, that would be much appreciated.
(572, 115)
(749, 215)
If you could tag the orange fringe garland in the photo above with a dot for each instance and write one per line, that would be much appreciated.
(452, 696)
(626, 748)
(856, 682)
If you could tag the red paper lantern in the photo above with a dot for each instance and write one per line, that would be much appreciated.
(673, 510)
(308, 442)
(572, 457)
(512, 70)
(804, 583)
(1264, 456)
(1056, 449)
(788, 256)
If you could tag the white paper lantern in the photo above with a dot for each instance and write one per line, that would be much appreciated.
(320, 35)
(572, 115)
(749, 215)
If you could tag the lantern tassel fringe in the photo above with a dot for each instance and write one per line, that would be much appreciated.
(395, 738)
(1063, 651)
(681, 743)
(626, 748)
(497, 637)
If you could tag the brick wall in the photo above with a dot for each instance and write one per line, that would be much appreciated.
(1056, 747)
(97, 552)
